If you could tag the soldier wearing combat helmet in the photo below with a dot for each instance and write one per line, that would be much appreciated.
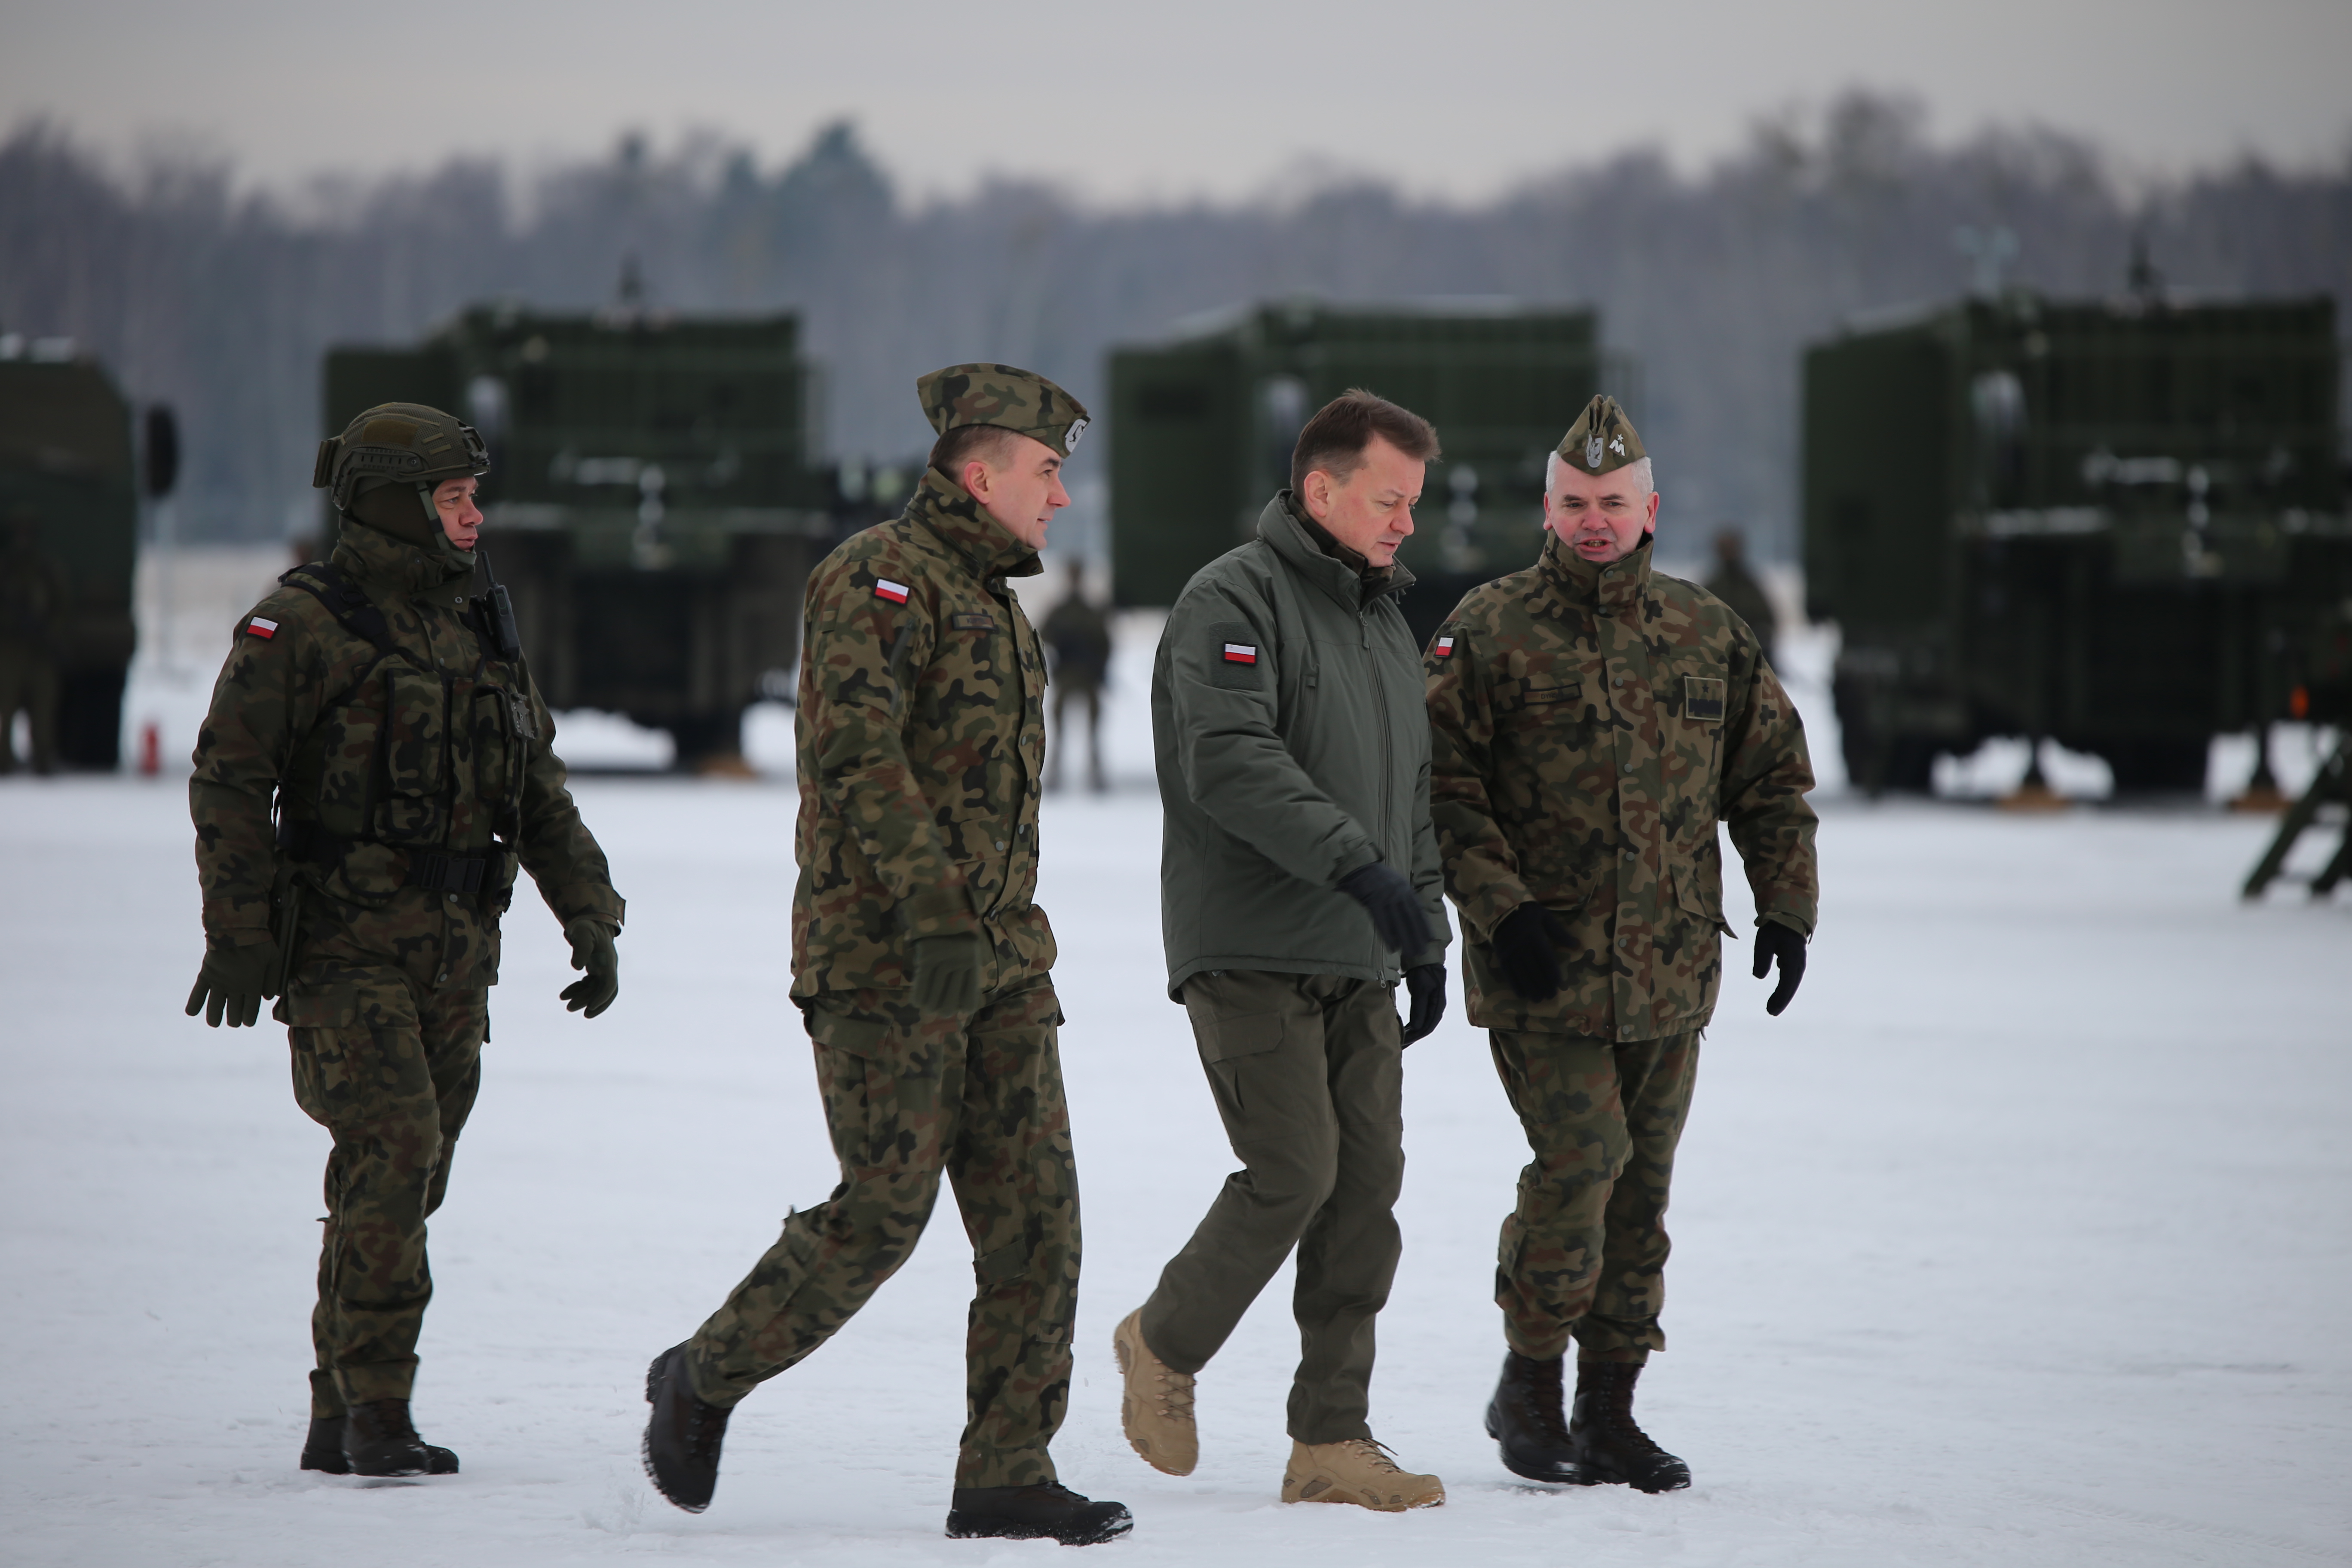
(1591, 721)
(375, 767)
(922, 966)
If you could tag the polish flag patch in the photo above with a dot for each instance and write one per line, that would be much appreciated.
(1444, 649)
(886, 589)
(1240, 653)
(264, 629)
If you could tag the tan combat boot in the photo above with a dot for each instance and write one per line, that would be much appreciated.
(1155, 1407)
(1359, 1471)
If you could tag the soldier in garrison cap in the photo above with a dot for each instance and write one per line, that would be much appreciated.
(1592, 720)
(375, 765)
(922, 966)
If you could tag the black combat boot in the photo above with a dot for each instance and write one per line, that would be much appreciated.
(378, 1440)
(1526, 1418)
(682, 1434)
(1050, 1512)
(1610, 1447)
(323, 1450)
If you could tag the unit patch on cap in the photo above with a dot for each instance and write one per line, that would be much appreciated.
(261, 628)
(886, 589)
(1443, 649)
(1240, 653)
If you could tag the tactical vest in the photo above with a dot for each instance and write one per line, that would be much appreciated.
(413, 775)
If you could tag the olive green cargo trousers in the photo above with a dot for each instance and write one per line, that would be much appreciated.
(390, 1068)
(908, 1098)
(1308, 1074)
(1584, 1252)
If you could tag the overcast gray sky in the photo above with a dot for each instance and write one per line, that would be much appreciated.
(1125, 102)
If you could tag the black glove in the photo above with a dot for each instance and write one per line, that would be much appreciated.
(1773, 940)
(1527, 945)
(591, 937)
(234, 979)
(1394, 907)
(946, 974)
(1425, 984)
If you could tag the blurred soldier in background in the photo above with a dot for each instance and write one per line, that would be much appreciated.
(1591, 721)
(1298, 881)
(1742, 590)
(32, 603)
(1078, 633)
(921, 964)
(376, 763)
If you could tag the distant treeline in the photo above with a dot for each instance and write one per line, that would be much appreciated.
(221, 305)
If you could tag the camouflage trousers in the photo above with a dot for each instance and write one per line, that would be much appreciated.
(1308, 1075)
(908, 1098)
(390, 1068)
(1585, 1250)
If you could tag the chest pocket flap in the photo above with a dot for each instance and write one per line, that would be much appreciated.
(1703, 699)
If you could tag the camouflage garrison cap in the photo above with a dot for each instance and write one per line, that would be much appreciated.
(1602, 438)
(1004, 396)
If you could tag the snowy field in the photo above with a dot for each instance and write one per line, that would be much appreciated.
(2022, 1238)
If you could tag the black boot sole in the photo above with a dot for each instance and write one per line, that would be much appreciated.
(962, 1526)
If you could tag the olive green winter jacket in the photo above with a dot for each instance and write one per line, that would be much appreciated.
(1293, 747)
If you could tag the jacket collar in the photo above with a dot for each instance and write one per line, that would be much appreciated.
(1610, 590)
(962, 524)
(376, 558)
(1282, 527)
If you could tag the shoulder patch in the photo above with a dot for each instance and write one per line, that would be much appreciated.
(1442, 648)
(1241, 652)
(886, 589)
(262, 627)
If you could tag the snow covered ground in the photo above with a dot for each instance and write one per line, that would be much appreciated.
(2022, 1238)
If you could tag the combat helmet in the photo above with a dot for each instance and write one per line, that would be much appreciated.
(398, 444)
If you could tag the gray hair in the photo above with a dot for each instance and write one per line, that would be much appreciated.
(1645, 476)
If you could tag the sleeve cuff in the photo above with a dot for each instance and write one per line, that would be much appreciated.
(1802, 927)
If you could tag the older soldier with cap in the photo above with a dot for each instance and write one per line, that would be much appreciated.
(1592, 720)
(375, 764)
(921, 964)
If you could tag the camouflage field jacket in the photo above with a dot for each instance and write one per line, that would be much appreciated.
(1590, 726)
(378, 761)
(922, 735)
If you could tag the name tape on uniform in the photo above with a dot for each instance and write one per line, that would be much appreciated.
(1240, 653)
(886, 589)
(261, 628)
(1444, 648)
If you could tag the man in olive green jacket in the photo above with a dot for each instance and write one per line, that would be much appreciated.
(1299, 880)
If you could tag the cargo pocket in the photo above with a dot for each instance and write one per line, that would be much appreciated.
(1229, 1041)
(1699, 892)
(856, 1070)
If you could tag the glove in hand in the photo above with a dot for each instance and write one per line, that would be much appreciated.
(232, 982)
(1425, 984)
(1394, 907)
(946, 974)
(1527, 945)
(1775, 940)
(592, 950)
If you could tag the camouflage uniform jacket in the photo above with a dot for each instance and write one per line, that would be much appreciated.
(1589, 727)
(922, 735)
(378, 761)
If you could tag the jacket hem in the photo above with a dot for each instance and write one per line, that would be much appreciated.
(1384, 975)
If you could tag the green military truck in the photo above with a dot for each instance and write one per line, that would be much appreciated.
(653, 505)
(2117, 525)
(70, 534)
(1202, 428)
